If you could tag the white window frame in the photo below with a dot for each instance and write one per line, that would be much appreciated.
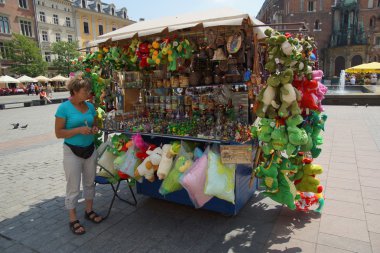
(48, 56)
(45, 36)
(70, 38)
(57, 37)
(2, 1)
(55, 19)
(68, 21)
(42, 16)
(313, 5)
(23, 2)
(26, 23)
(9, 27)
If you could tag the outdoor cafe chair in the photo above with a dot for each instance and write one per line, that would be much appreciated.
(112, 179)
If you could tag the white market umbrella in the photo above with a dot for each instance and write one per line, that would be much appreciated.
(26, 79)
(43, 79)
(8, 79)
(59, 78)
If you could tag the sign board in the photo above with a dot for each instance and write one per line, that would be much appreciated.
(236, 154)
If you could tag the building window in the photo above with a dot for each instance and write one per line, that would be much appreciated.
(100, 29)
(310, 6)
(125, 15)
(38, 2)
(85, 27)
(4, 25)
(321, 5)
(113, 28)
(377, 41)
(68, 22)
(58, 37)
(45, 36)
(372, 22)
(301, 5)
(48, 56)
(83, 3)
(23, 4)
(99, 9)
(26, 28)
(2, 1)
(317, 25)
(70, 38)
(113, 11)
(42, 16)
(52, 6)
(378, 3)
(3, 51)
(55, 19)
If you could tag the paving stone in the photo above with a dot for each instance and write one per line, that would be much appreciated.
(344, 227)
(344, 209)
(343, 243)
(349, 184)
(345, 174)
(324, 249)
(375, 242)
(343, 195)
(372, 206)
(373, 221)
(368, 165)
(370, 181)
(369, 173)
(282, 244)
(343, 159)
(342, 166)
(370, 192)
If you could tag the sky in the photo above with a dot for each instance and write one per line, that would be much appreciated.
(150, 9)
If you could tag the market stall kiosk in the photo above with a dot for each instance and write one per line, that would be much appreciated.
(195, 81)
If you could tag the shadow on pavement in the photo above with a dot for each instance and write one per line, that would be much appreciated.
(152, 226)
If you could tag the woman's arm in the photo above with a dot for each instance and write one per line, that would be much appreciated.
(61, 132)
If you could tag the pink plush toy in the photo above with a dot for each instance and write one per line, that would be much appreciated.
(322, 89)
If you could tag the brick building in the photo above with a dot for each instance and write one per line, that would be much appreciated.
(16, 16)
(347, 32)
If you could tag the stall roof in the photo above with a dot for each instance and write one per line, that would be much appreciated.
(209, 18)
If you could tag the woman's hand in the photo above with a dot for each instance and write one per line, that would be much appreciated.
(84, 130)
(95, 130)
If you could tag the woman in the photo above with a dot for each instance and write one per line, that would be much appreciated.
(75, 122)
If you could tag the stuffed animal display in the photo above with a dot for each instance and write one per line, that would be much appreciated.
(290, 121)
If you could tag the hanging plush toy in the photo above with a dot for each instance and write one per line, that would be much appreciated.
(168, 153)
(143, 54)
(268, 172)
(307, 199)
(149, 165)
(306, 180)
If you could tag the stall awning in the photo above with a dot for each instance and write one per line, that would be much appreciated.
(209, 18)
(373, 67)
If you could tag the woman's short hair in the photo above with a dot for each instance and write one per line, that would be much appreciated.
(76, 83)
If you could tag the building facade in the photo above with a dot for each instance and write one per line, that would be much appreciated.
(95, 18)
(16, 16)
(55, 22)
(347, 32)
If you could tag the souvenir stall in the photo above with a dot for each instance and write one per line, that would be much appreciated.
(192, 87)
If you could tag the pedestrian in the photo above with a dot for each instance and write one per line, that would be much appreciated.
(76, 122)
(353, 80)
(43, 96)
(36, 90)
(49, 91)
(373, 79)
(32, 89)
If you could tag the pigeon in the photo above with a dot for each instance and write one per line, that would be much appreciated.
(24, 126)
(15, 126)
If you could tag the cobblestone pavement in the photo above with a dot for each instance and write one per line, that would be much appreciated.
(33, 219)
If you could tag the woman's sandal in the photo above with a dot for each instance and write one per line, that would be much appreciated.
(76, 229)
(91, 216)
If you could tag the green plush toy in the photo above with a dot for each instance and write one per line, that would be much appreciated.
(306, 180)
(265, 129)
(267, 148)
(289, 100)
(297, 136)
(287, 191)
(266, 99)
(268, 172)
(279, 138)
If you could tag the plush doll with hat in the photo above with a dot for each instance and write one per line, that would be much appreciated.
(268, 171)
(149, 165)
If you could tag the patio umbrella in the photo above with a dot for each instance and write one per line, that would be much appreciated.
(42, 79)
(8, 79)
(373, 67)
(59, 78)
(26, 79)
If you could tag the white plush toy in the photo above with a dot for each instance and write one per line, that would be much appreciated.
(169, 151)
(150, 164)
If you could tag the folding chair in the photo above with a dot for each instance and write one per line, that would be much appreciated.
(112, 179)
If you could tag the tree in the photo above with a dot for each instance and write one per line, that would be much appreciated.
(25, 56)
(66, 52)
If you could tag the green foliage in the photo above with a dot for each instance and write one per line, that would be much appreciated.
(26, 56)
(66, 53)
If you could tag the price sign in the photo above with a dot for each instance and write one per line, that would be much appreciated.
(236, 154)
